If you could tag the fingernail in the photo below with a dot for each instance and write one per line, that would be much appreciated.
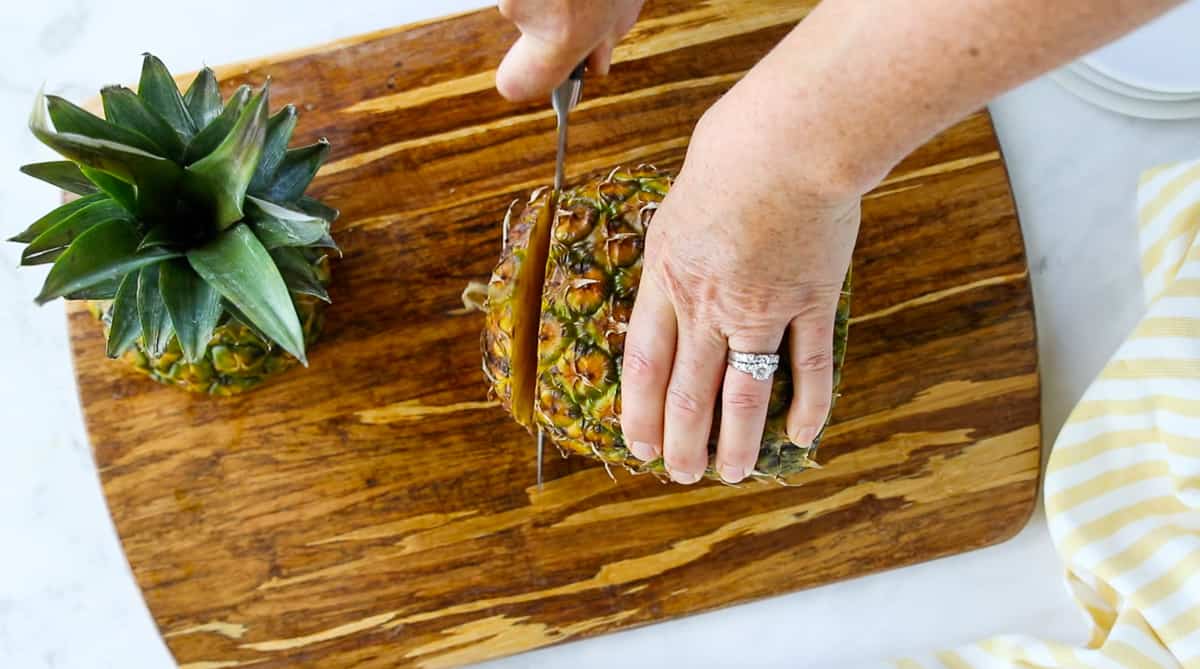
(804, 436)
(643, 451)
(686, 478)
(731, 474)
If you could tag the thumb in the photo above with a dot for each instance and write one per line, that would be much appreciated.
(533, 67)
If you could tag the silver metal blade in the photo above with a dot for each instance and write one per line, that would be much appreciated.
(563, 99)
(561, 159)
(541, 444)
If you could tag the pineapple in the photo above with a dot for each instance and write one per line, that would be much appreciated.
(557, 308)
(191, 239)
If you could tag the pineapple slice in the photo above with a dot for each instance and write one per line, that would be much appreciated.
(509, 339)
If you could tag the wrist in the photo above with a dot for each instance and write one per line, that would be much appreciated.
(807, 153)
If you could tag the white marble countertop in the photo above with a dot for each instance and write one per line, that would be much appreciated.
(67, 598)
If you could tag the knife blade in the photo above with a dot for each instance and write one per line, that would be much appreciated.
(563, 99)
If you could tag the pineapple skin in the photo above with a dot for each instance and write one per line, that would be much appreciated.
(592, 273)
(236, 360)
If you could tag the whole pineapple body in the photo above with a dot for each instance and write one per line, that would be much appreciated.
(557, 311)
(191, 238)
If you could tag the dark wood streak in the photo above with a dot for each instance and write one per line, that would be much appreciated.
(289, 513)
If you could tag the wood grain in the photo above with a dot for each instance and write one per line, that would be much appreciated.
(377, 511)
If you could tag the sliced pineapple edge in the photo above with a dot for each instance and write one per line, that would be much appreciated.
(513, 306)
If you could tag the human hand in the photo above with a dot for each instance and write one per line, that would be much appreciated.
(752, 241)
(555, 36)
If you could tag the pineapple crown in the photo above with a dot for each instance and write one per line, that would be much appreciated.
(191, 211)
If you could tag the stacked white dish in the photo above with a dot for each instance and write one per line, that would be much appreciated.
(1153, 72)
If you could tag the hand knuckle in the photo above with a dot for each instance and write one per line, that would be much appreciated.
(744, 401)
(638, 364)
(817, 360)
(819, 329)
(680, 287)
(684, 402)
(570, 33)
(817, 300)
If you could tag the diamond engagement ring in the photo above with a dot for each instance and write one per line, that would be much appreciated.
(761, 366)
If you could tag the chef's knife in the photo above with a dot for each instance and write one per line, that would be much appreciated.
(563, 99)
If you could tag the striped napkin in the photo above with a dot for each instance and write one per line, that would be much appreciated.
(1123, 483)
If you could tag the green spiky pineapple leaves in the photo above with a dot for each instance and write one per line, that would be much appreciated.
(191, 210)
(125, 324)
(203, 98)
(219, 180)
(106, 252)
(158, 89)
(62, 173)
(242, 270)
(193, 304)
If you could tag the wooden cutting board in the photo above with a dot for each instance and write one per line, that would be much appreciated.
(377, 511)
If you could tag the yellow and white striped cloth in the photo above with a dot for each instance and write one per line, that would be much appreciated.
(1122, 488)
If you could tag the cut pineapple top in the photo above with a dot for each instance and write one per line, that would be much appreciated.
(192, 212)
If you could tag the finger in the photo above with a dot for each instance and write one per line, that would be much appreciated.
(646, 369)
(691, 396)
(533, 67)
(744, 402)
(628, 17)
(600, 60)
(508, 9)
(812, 374)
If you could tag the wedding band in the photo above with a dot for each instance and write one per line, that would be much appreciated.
(761, 366)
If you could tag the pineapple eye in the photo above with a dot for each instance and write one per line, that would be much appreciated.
(586, 293)
(595, 367)
(554, 405)
(602, 440)
(552, 336)
(625, 282)
(572, 225)
(615, 192)
(619, 311)
(223, 359)
(498, 349)
(503, 274)
(624, 249)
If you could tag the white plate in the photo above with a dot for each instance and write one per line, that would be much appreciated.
(1162, 56)
(1118, 86)
(1124, 104)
